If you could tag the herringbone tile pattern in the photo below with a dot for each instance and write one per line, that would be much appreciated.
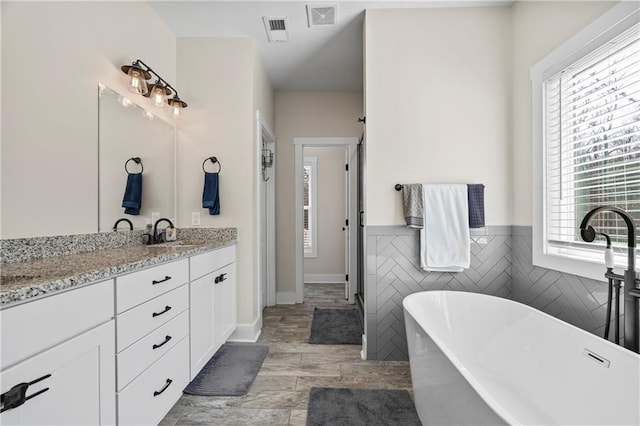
(576, 300)
(501, 265)
(398, 274)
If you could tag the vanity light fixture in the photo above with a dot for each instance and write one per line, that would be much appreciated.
(158, 92)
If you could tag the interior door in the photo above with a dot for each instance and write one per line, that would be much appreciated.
(263, 233)
(360, 224)
(346, 223)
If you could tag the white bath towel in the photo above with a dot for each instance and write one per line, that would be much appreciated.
(445, 244)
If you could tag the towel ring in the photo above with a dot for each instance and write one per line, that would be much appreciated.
(136, 160)
(214, 160)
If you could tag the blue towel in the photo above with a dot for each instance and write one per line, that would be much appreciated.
(211, 193)
(132, 200)
(475, 193)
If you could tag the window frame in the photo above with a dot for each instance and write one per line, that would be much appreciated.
(312, 251)
(586, 261)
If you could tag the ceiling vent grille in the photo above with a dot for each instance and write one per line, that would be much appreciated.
(277, 28)
(322, 15)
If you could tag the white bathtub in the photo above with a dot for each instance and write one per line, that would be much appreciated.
(478, 359)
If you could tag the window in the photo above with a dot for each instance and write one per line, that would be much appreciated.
(310, 191)
(590, 137)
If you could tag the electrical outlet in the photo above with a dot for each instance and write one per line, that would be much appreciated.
(195, 218)
(154, 217)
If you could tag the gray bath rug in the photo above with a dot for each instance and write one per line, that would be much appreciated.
(366, 407)
(336, 327)
(230, 372)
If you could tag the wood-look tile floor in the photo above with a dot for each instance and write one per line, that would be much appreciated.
(280, 393)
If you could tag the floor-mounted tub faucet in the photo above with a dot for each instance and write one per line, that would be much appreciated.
(631, 290)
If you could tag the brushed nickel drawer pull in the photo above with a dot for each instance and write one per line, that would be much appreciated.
(166, 278)
(164, 388)
(166, 340)
(166, 309)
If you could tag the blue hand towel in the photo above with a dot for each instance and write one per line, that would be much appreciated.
(475, 193)
(211, 193)
(132, 200)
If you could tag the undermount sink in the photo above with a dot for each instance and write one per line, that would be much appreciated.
(175, 244)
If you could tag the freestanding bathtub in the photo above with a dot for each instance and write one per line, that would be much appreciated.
(478, 359)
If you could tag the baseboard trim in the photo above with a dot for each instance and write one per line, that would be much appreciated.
(323, 278)
(285, 298)
(247, 332)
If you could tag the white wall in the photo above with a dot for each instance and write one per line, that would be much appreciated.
(53, 56)
(438, 105)
(219, 76)
(331, 215)
(559, 21)
(304, 114)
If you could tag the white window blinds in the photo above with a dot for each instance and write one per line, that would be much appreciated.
(592, 140)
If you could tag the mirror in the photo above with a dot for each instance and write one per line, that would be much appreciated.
(127, 131)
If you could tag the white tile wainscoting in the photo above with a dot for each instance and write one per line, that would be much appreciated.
(501, 265)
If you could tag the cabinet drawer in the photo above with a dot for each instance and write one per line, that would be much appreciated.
(137, 323)
(150, 397)
(205, 263)
(137, 357)
(138, 287)
(32, 327)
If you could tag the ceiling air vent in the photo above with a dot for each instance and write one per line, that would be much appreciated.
(277, 28)
(322, 15)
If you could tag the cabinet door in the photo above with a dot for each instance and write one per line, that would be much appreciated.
(225, 297)
(202, 319)
(81, 386)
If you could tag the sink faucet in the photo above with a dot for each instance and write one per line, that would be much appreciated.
(158, 238)
(631, 290)
(124, 219)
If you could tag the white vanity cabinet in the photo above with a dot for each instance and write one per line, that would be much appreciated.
(152, 341)
(67, 341)
(212, 303)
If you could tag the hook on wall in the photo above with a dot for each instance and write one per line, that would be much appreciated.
(214, 160)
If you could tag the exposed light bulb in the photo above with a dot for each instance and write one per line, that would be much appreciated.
(158, 96)
(137, 83)
(176, 111)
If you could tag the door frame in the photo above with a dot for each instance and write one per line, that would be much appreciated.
(264, 131)
(351, 144)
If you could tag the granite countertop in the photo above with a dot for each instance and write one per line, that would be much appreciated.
(21, 281)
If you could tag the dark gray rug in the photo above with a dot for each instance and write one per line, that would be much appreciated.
(230, 372)
(336, 327)
(366, 407)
